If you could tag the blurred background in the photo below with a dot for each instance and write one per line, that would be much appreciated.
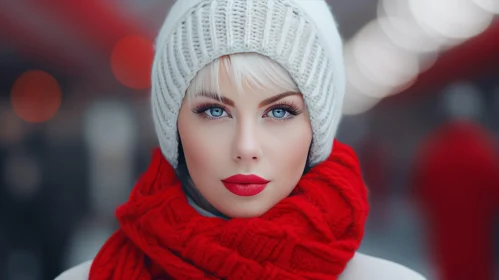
(421, 111)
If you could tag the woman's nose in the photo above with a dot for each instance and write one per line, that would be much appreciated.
(247, 143)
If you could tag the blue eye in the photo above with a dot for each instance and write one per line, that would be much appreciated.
(215, 112)
(283, 111)
(278, 113)
(211, 111)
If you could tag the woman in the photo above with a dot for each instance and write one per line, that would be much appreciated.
(249, 182)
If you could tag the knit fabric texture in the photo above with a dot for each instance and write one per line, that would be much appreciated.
(312, 234)
(300, 35)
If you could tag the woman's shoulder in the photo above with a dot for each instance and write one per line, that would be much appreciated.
(79, 272)
(363, 267)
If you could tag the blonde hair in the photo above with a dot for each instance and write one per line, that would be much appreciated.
(251, 69)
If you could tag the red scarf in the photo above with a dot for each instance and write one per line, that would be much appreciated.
(312, 234)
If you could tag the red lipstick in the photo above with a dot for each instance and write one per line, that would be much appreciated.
(245, 185)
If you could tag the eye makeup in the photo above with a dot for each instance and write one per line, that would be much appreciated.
(202, 108)
(290, 108)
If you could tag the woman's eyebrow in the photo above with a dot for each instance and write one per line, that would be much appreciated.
(223, 99)
(230, 102)
(277, 97)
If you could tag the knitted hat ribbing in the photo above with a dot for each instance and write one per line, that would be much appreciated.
(300, 35)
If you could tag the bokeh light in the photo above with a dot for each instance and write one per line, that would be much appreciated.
(376, 67)
(491, 6)
(453, 19)
(356, 102)
(131, 61)
(402, 29)
(389, 53)
(357, 81)
(462, 100)
(379, 59)
(36, 96)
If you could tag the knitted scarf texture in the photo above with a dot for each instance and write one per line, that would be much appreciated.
(312, 234)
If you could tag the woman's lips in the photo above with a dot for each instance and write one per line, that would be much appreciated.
(245, 185)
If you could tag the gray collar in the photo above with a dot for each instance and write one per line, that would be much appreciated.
(201, 211)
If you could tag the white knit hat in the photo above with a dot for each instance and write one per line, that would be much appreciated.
(300, 35)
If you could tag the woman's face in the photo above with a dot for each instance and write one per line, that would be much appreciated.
(267, 134)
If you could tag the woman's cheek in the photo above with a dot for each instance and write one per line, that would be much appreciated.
(215, 141)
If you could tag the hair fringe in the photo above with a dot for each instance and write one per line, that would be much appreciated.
(244, 70)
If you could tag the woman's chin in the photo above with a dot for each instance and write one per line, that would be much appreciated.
(245, 210)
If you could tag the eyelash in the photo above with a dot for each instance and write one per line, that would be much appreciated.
(201, 109)
(290, 107)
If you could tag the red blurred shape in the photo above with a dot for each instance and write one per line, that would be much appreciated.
(36, 96)
(131, 62)
(457, 182)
